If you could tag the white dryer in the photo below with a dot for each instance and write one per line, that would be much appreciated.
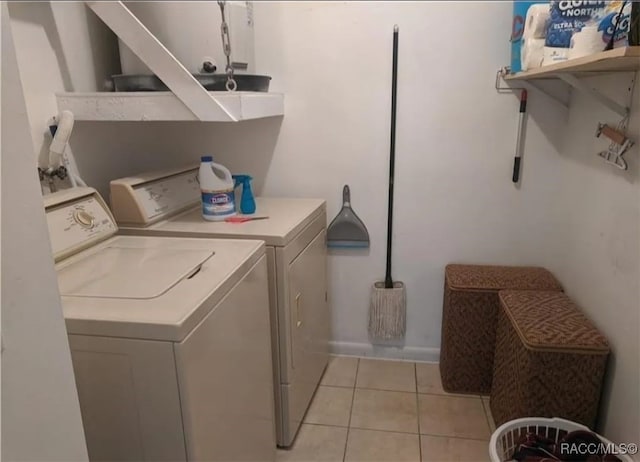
(168, 204)
(169, 338)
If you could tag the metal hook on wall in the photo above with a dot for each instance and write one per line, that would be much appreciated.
(499, 75)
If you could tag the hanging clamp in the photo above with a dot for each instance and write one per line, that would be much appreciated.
(619, 145)
(231, 84)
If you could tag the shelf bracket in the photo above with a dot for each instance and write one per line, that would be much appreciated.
(527, 84)
(160, 60)
(595, 94)
(539, 88)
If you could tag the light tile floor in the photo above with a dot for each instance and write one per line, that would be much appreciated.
(369, 410)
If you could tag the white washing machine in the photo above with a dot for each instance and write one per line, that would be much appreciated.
(168, 204)
(169, 338)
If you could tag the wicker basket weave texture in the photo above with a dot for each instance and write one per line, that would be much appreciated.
(550, 360)
(469, 315)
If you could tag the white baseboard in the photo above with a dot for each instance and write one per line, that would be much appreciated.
(430, 355)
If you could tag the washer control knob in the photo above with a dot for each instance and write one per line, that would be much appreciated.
(84, 219)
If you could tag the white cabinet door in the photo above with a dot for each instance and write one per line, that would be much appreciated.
(225, 377)
(308, 304)
(129, 398)
(308, 325)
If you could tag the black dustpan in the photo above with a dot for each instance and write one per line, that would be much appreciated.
(347, 230)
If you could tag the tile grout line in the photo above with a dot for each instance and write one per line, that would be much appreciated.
(455, 437)
(400, 432)
(353, 398)
(448, 395)
(386, 389)
(436, 435)
(415, 376)
(326, 425)
(370, 429)
(471, 438)
(451, 395)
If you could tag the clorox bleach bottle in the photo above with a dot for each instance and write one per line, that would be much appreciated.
(216, 186)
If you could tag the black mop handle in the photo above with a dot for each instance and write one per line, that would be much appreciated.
(519, 140)
(388, 281)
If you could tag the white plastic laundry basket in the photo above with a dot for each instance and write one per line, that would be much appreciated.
(505, 439)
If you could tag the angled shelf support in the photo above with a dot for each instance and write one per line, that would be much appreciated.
(595, 94)
(558, 100)
(203, 105)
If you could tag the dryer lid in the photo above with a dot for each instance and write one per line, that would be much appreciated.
(129, 273)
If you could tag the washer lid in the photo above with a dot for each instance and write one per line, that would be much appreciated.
(129, 273)
(167, 269)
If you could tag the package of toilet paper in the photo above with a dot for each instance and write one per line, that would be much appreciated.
(535, 25)
(586, 41)
(569, 18)
(520, 10)
(533, 37)
(613, 19)
(532, 53)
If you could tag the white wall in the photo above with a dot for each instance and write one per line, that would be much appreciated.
(455, 140)
(40, 410)
(456, 137)
(62, 46)
(597, 245)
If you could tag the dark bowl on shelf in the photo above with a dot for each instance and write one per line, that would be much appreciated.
(211, 82)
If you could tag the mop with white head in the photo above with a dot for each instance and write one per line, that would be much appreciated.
(387, 314)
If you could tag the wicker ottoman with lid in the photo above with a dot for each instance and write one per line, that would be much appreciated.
(469, 315)
(550, 360)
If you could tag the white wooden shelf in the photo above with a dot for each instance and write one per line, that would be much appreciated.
(166, 106)
(612, 61)
(616, 60)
